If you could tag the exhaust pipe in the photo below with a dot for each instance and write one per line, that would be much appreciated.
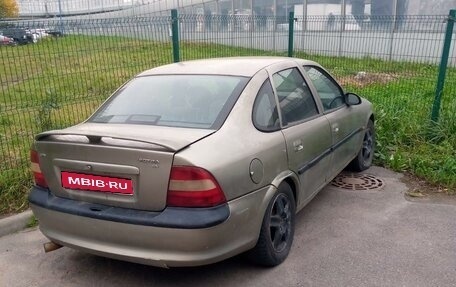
(51, 246)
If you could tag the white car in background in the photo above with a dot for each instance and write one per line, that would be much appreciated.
(38, 34)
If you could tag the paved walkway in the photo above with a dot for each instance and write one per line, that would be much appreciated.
(343, 238)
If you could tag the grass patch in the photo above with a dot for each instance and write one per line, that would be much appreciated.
(14, 186)
(32, 222)
(59, 82)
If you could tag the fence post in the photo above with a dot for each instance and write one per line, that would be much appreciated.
(290, 34)
(60, 17)
(443, 66)
(343, 21)
(175, 35)
(393, 30)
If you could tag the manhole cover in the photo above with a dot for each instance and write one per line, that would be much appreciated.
(357, 181)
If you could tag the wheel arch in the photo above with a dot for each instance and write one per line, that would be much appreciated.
(292, 180)
(372, 118)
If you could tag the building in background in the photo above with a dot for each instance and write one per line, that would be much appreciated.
(49, 8)
(358, 8)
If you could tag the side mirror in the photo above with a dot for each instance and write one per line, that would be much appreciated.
(352, 99)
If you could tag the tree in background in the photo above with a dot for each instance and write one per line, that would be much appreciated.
(358, 7)
(8, 9)
(386, 7)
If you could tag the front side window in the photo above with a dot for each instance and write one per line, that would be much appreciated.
(194, 101)
(265, 114)
(295, 99)
(329, 92)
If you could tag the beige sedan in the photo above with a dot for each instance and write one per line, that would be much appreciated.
(191, 163)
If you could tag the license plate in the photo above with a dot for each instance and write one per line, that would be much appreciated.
(81, 181)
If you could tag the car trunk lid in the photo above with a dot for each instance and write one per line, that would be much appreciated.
(113, 164)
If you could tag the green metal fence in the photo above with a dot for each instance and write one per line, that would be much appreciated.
(59, 81)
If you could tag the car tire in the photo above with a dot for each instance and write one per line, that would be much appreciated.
(363, 159)
(277, 229)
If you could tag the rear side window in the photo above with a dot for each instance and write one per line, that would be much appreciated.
(265, 114)
(194, 101)
(295, 99)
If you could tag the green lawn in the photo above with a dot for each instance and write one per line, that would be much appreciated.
(59, 82)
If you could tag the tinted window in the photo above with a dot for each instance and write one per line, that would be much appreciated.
(329, 92)
(265, 114)
(197, 101)
(295, 99)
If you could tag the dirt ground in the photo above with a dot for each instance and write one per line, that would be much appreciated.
(363, 79)
(420, 190)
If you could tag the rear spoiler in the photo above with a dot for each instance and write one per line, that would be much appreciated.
(96, 139)
(162, 137)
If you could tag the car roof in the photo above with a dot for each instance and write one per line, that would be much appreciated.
(234, 66)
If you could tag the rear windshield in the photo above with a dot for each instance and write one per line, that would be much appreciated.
(194, 101)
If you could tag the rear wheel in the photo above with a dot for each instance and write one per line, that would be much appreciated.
(277, 229)
(366, 154)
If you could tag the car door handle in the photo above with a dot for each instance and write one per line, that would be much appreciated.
(336, 129)
(298, 146)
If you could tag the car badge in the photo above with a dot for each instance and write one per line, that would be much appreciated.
(154, 162)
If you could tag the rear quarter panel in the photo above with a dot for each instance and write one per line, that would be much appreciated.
(228, 153)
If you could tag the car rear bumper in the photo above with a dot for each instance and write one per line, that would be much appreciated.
(176, 244)
(171, 217)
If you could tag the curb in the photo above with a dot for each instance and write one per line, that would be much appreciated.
(15, 223)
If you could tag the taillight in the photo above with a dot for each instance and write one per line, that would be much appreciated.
(36, 169)
(193, 187)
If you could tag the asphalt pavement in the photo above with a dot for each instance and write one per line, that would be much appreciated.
(343, 238)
